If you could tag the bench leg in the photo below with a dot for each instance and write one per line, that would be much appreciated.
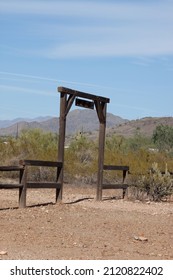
(59, 179)
(22, 191)
(124, 192)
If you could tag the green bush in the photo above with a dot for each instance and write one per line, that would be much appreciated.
(163, 137)
(81, 159)
(156, 185)
(81, 156)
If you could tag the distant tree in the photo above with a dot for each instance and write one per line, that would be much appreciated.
(138, 141)
(163, 137)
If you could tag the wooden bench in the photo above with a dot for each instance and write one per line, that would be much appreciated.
(19, 186)
(24, 184)
(123, 185)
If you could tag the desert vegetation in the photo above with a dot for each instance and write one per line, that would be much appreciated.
(147, 157)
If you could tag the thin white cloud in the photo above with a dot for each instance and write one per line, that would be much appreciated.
(107, 29)
(98, 48)
(13, 89)
(31, 78)
(95, 9)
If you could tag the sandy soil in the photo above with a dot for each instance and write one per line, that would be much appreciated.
(82, 228)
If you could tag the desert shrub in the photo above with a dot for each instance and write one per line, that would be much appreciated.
(138, 142)
(115, 142)
(155, 185)
(163, 137)
(131, 152)
(37, 144)
(31, 144)
(81, 156)
(81, 159)
(8, 151)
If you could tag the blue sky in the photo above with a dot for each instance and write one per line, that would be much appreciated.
(117, 49)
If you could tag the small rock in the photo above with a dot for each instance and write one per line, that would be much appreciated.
(136, 237)
(140, 238)
(143, 238)
(3, 253)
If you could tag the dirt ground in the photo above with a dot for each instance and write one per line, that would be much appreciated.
(82, 228)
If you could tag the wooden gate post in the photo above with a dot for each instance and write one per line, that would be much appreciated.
(61, 142)
(101, 110)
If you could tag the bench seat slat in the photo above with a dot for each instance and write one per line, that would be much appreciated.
(115, 167)
(11, 168)
(43, 185)
(10, 186)
(114, 186)
(41, 163)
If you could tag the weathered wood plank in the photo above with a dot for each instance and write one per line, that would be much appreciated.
(10, 186)
(114, 186)
(102, 131)
(43, 185)
(83, 94)
(64, 107)
(69, 103)
(41, 163)
(116, 167)
(11, 168)
(101, 112)
(22, 191)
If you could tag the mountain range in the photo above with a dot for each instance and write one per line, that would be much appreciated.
(86, 121)
(77, 120)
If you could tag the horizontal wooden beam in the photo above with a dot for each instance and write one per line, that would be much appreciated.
(32, 185)
(83, 94)
(11, 168)
(115, 167)
(10, 186)
(41, 163)
(43, 185)
(114, 186)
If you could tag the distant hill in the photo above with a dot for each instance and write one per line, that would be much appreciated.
(145, 126)
(77, 120)
(87, 121)
(7, 123)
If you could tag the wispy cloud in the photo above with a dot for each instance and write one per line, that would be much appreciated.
(122, 10)
(100, 29)
(31, 78)
(13, 89)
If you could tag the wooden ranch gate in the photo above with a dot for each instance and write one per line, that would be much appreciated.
(90, 101)
(24, 184)
(67, 98)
